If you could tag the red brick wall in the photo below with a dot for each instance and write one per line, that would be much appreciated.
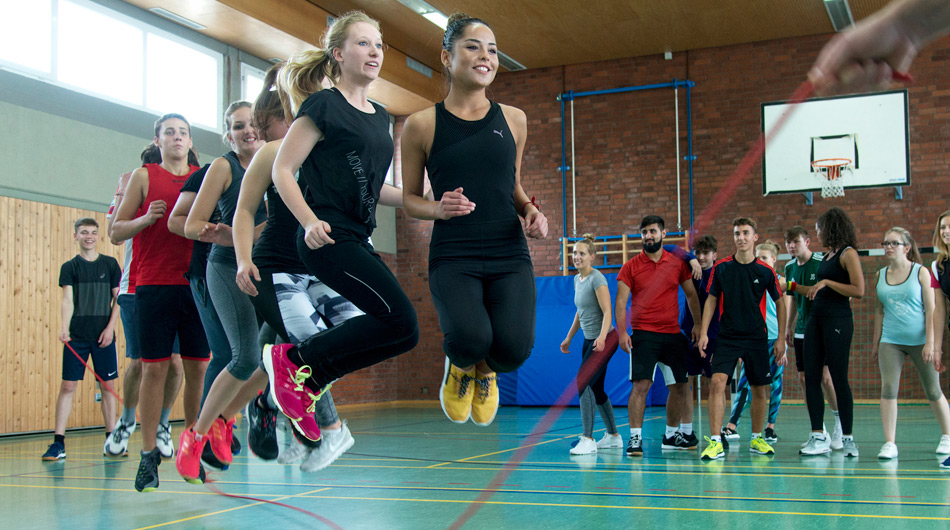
(626, 169)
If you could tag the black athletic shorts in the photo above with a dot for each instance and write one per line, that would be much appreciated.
(649, 348)
(161, 312)
(758, 369)
(104, 360)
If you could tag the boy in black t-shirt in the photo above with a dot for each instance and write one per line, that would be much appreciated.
(739, 285)
(90, 312)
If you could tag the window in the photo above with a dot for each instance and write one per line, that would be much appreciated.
(26, 36)
(101, 52)
(179, 78)
(252, 82)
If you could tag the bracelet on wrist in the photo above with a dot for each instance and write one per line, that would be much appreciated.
(524, 207)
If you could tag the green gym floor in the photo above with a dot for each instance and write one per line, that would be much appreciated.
(411, 468)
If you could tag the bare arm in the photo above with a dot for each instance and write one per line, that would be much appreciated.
(116, 203)
(781, 316)
(575, 325)
(692, 302)
(299, 141)
(416, 135)
(607, 323)
(855, 286)
(256, 180)
(708, 310)
(216, 181)
(536, 224)
(176, 219)
(108, 334)
(66, 312)
(866, 55)
(125, 225)
(620, 309)
(792, 321)
(878, 326)
(927, 293)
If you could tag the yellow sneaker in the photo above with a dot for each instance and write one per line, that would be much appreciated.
(485, 402)
(713, 451)
(760, 447)
(456, 393)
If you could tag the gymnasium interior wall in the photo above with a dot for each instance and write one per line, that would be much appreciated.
(626, 169)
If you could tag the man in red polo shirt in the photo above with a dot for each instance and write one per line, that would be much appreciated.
(653, 278)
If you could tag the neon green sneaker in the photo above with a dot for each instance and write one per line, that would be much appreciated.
(713, 450)
(760, 447)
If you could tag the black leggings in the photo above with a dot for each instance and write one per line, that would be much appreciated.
(597, 372)
(828, 342)
(486, 311)
(388, 327)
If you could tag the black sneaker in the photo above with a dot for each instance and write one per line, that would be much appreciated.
(675, 442)
(262, 433)
(56, 451)
(235, 445)
(770, 435)
(147, 477)
(207, 456)
(725, 441)
(692, 442)
(635, 446)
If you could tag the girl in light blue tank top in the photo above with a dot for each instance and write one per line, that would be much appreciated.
(903, 327)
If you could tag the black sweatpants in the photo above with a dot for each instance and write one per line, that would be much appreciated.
(828, 342)
(389, 327)
(486, 311)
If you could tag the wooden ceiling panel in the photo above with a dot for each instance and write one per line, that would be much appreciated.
(536, 33)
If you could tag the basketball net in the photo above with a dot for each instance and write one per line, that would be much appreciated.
(830, 172)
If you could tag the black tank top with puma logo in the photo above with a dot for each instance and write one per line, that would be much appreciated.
(478, 156)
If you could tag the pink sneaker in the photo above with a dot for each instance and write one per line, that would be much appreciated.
(188, 459)
(219, 436)
(307, 425)
(286, 380)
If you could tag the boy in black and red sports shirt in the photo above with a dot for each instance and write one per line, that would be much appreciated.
(738, 285)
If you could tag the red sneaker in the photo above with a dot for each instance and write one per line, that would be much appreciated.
(286, 380)
(188, 459)
(219, 436)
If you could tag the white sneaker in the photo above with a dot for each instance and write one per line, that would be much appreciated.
(585, 446)
(836, 442)
(610, 441)
(163, 440)
(888, 451)
(850, 449)
(944, 447)
(824, 432)
(291, 450)
(334, 444)
(818, 444)
(117, 445)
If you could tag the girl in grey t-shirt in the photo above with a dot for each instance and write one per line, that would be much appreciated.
(595, 317)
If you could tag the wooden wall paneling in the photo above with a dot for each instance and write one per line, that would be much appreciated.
(38, 241)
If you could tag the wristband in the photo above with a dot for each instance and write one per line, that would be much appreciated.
(791, 286)
(524, 207)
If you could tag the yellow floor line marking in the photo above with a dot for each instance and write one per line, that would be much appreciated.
(496, 452)
(627, 494)
(230, 509)
(649, 508)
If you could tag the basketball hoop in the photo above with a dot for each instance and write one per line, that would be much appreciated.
(830, 172)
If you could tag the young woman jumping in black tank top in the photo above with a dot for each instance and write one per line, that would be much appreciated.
(480, 272)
